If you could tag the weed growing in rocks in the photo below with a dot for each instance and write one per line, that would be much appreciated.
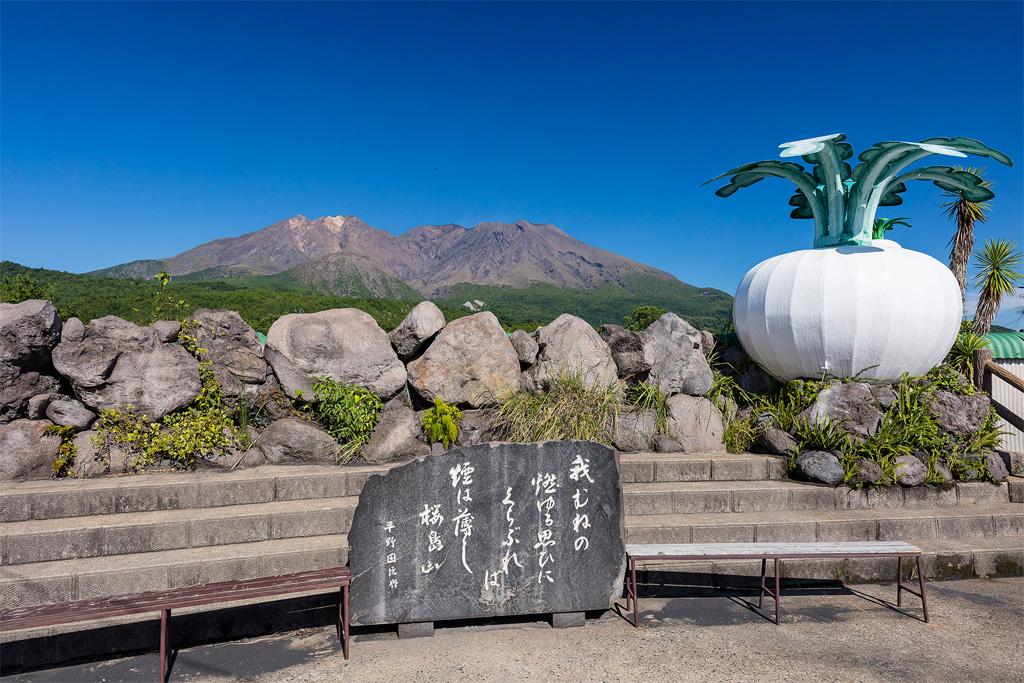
(348, 413)
(65, 459)
(441, 423)
(570, 408)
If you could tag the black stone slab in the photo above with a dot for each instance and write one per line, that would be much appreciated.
(413, 560)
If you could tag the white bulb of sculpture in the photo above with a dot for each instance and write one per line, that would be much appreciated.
(871, 312)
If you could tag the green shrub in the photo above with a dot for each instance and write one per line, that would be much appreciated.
(65, 458)
(642, 317)
(348, 412)
(569, 409)
(441, 423)
(948, 378)
(961, 356)
(740, 434)
(18, 287)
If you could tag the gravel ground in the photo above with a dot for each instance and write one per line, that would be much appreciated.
(831, 635)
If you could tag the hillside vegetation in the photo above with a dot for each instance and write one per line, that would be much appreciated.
(262, 300)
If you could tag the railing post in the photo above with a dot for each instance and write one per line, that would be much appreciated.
(982, 357)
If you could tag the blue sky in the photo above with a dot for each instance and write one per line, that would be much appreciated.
(131, 130)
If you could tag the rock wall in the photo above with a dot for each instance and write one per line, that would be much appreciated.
(66, 373)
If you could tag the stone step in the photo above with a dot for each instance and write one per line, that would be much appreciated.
(1016, 489)
(96, 577)
(668, 467)
(128, 533)
(884, 524)
(765, 496)
(944, 559)
(207, 488)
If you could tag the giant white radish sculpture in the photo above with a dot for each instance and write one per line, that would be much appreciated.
(856, 305)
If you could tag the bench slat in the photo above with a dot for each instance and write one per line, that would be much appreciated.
(782, 550)
(175, 598)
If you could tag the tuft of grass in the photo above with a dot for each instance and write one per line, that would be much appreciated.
(645, 396)
(570, 409)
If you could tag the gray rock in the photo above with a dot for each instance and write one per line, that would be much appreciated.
(996, 466)
(37, 406)
(820, 466)
(419, 326)
(525, 346)
(567, 346)
(477, 426)
(73, 330)
(18, 387)
(397, 435)
(868, 472)
(666, 444)
(942, 470)
(90, 461)
(707, 343)
(117, 364)
(471, 575)
(910, 471)
(959, 415)
(849, 403)
(671, 348)
(696, 424)
(471, 362)
(345, 344)
(26, 452)
(1014, 462)
(68, 412)
(627, 350)
(884, 395)
(294, 441)
(28, 332)
(232, 348)
(167, 330)
(775, 441)
(634, 430)
(753, 379)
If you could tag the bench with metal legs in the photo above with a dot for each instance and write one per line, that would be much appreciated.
(338, 578)
(776, 552)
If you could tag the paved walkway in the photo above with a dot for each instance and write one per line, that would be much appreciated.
(839, 635)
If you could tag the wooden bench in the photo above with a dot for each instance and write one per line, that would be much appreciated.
(176, 598)
(776, 552)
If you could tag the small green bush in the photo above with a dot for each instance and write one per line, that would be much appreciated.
(441, 423)
(642, 317)
(65, 458)
(348, 412)
(569, 409)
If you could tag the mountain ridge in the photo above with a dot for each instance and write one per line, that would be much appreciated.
(430, 259)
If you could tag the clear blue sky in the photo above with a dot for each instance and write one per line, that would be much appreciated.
(135, 130)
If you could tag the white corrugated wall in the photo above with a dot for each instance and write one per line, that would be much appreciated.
(1013, 399)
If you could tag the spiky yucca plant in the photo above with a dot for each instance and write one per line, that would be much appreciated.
(996, 277)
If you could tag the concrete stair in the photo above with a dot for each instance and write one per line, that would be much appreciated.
(66, 540)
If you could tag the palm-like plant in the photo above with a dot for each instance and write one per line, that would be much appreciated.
(883, 225)
(966, 212)
(997, 276)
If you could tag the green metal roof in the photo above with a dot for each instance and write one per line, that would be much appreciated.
(1006, 344)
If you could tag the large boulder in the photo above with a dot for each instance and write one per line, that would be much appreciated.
(634, 430)
(115, 364)
(525, 346)
(18, 389)
(568, 346)
(959, 415)
(26, 451)
(345, 344)
(419, 326)
(627, 350)
(695, 424)
(232, 348)
(820, 466)
(396, 435)
(28, 332)
(295, 441)
(910, 471)
(672, 350)
(849, 403)
(471, 362)
(68, 412)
